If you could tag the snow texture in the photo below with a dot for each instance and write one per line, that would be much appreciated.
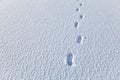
(37, 38)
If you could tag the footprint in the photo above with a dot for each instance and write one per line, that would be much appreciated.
(81, 16)
(69, 59)
(76, 24)
(81, 4)
(77, 9)
(79, 39)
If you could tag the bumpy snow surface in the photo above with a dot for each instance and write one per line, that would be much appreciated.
(59, 39)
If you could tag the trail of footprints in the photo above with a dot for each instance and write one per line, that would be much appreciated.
(79, 39)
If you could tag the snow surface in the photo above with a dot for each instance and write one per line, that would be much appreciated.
(36, 37)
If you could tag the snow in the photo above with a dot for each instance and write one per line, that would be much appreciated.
(37, 36)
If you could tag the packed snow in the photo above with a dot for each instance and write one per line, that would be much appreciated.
(59, 39)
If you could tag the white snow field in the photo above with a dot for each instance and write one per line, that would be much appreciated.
(59, 39)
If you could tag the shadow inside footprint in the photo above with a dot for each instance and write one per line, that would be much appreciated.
(76, 24)
(77, 9)
(79, 39)
(69, 59)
